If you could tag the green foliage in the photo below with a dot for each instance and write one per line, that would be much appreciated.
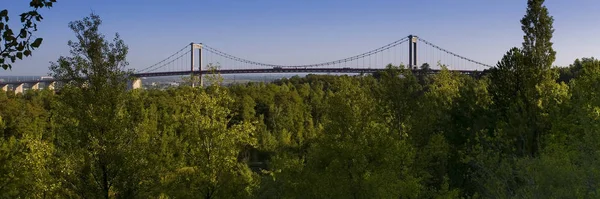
(566, 74)
(94, 62)
(20, 42)
(359, 157)
(211, 167)
(95, 131)
(537, 47)
(314, 137)
(26, 148)
(521, 80)
(520, 132)
(399, 88)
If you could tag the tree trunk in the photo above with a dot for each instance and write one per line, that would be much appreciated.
(105, 181)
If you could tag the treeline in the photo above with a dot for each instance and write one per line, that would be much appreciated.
(389, 135)
(524, 129)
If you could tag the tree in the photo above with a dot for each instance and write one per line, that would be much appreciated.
(398, 89)
(583, 124)
(526, 102)
(18, 45)
(94, 63)
(537, 47)
(507, 78)
(566, 74)
(95, 132)
(469, 115)
(538, 56)
(569, 154)
(210, 166)
(26, 147)
(358, 156)
(521, 78)
(437, 145)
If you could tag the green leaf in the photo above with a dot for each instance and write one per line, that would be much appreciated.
(20, 55)
(8, 31)
(23, 17)
(3, 13)
(27, 53)
(20, 47)
(37, 43)
(23, 34)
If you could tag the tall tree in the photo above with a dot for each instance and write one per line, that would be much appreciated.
(19, 44)
(521, 78)
(538, 56)
(538, 29)
(94, 62)
(94, 130)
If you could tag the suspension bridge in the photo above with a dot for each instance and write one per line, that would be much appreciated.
(197, 59)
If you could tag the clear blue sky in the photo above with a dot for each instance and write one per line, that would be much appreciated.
(307, 31)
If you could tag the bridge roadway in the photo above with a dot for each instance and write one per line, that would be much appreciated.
(244, 71)
(278, 70)
(264, 70)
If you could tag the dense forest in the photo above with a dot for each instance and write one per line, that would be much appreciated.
(524, 129)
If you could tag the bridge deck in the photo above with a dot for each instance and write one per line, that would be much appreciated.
(244, 71)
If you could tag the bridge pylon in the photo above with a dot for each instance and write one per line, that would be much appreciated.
(412, 51)
(194, 46)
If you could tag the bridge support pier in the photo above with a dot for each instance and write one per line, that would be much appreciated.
(19, 88)
(35, 86)
(51, 85)
(5, 87)
(136, 84)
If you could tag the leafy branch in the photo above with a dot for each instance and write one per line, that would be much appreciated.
(13, 46)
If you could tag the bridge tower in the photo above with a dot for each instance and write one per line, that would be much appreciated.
(412, 51)
(194, 46)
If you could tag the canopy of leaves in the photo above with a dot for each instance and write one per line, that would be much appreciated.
(517, 132)
(19, 43)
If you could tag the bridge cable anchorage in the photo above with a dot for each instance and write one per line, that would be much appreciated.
(451, 53)
(177, 58)
(363, 55)
(164, 60)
